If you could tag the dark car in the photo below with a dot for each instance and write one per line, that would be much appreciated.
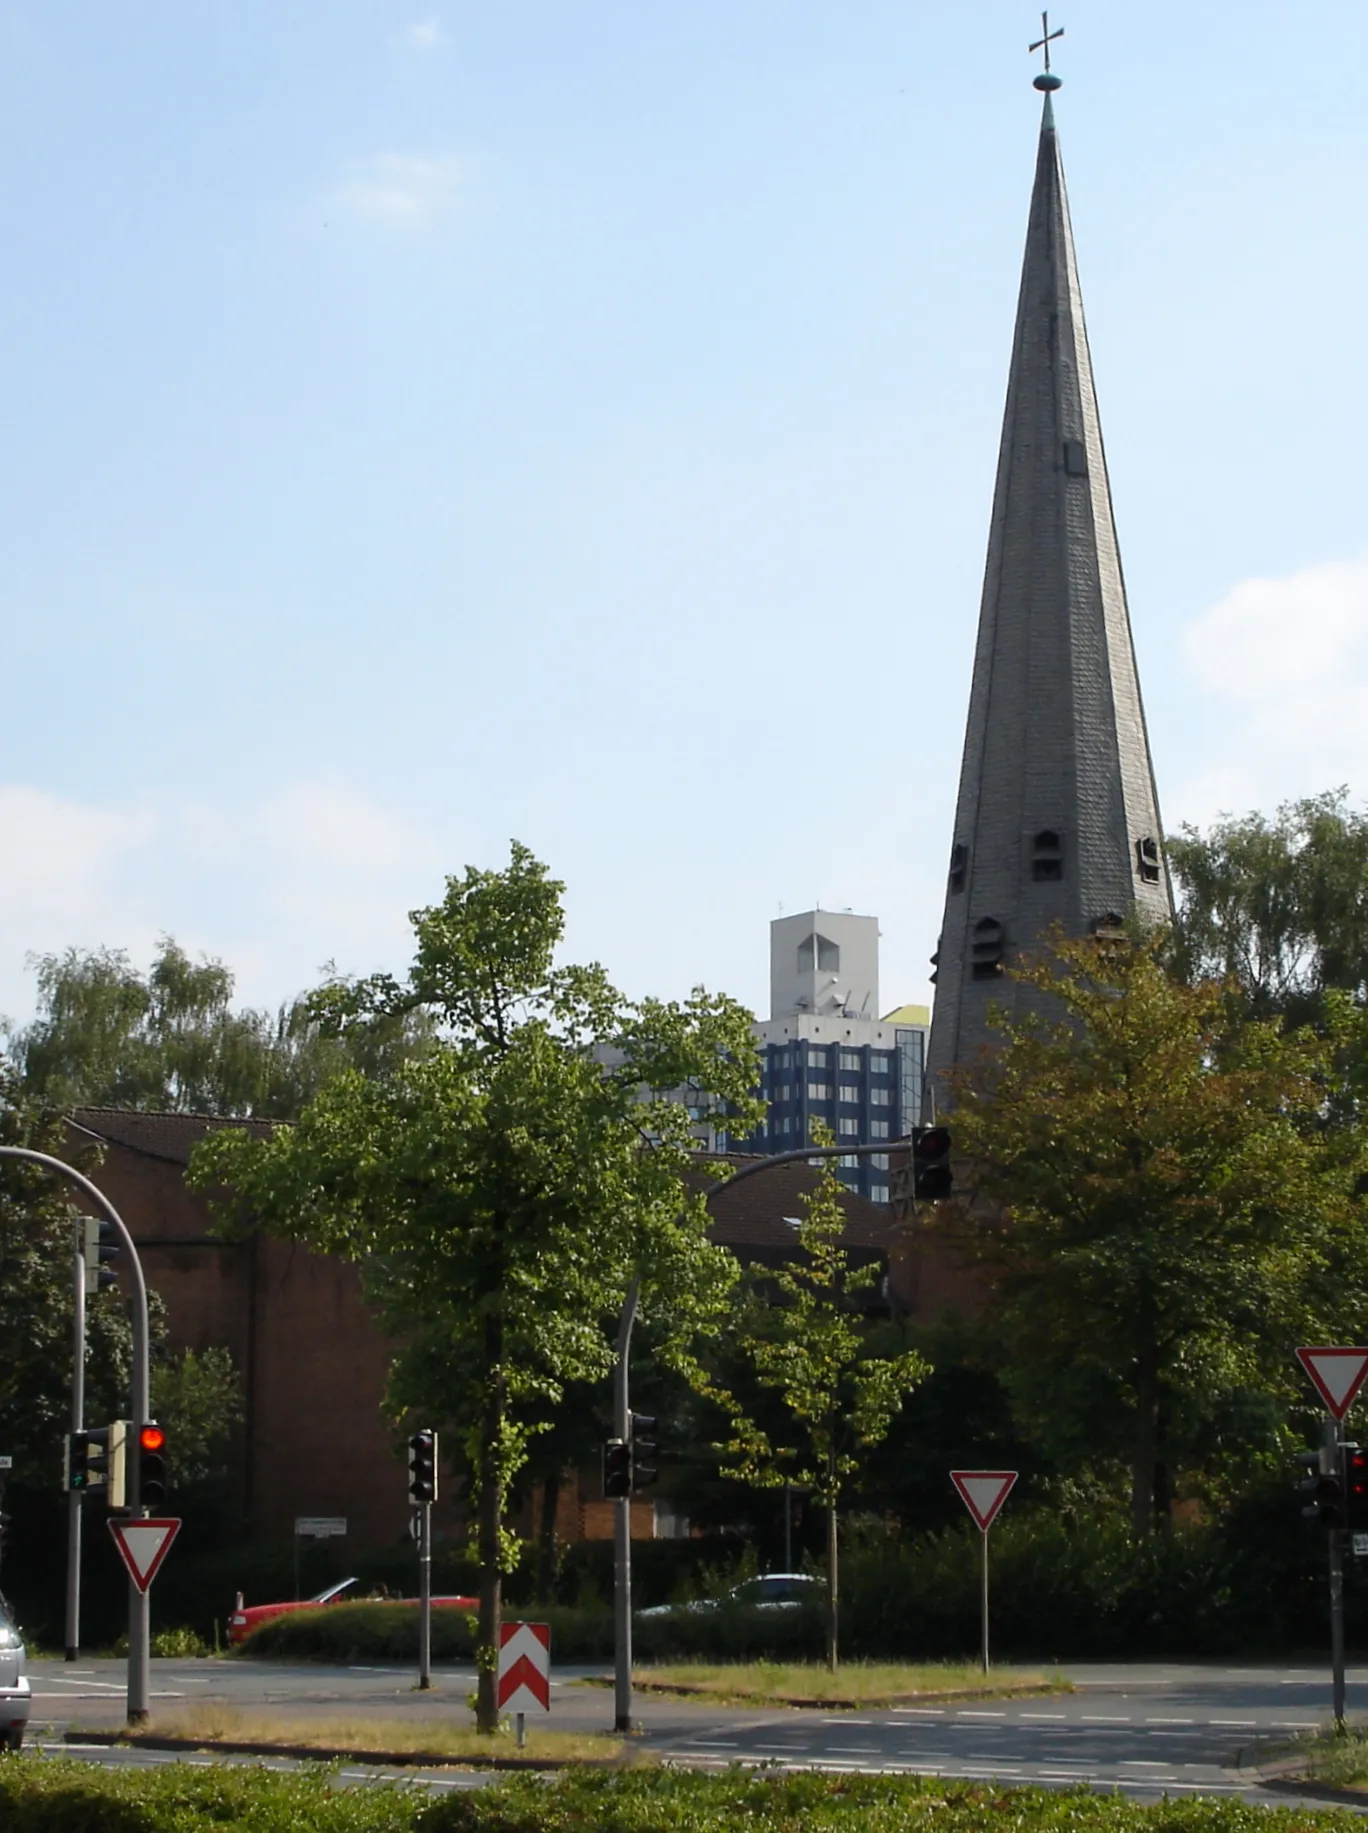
(771, 1591)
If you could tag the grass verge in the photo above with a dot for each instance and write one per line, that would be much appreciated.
(855, 1683)
(56, 1795)
(209, 1724)
(1339, 1761)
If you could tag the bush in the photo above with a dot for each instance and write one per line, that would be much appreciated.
(346, 1633)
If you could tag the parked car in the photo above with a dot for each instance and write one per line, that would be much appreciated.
(771, 1591)
(15, 1698)
(247, 1617)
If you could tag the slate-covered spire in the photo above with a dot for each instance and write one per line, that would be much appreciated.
(1057, 819)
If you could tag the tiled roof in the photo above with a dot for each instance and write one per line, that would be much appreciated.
(169, 1137)
(760, 1213)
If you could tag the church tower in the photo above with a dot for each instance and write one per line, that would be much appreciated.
(1057, 819)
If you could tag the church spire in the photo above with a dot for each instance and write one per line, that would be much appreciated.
(1057, 819)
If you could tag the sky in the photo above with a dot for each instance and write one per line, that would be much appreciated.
(576, 422)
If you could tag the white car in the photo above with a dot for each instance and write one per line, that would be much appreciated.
(772, 1591)
(15, 1698)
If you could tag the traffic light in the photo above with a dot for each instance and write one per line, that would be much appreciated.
(932, 1178)
(99, 1244)
(1323, 1492)
(1355, 1488)
(641, 1450)
(151, 1462)
(422, 1467)
(97, 1460)
(617, 1469)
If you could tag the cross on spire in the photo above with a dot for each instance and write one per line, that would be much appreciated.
(1044, 41)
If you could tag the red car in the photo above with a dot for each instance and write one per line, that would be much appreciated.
(247, 1617)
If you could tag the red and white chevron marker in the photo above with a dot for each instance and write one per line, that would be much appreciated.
(524, 1667)
(983, 1492)
(1337, 1373)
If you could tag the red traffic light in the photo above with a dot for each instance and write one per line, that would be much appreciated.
(151, 1438)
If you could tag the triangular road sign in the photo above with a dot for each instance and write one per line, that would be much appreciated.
(143, 1545)
(983, 1492)
(1337, 1373)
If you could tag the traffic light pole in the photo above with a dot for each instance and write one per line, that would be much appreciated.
(139, 1673)
(424, 1595)
(622, 1526)
(73, 1574)
(1330, 1463)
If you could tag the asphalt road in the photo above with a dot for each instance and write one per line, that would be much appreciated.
(1145, 1729)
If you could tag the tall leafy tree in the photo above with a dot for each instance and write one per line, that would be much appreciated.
(1279, 906)
(107, 1035)
(811, 1351)
(1160, 1198)
(500, 1191)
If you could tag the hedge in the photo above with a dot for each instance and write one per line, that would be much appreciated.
(60, 1796)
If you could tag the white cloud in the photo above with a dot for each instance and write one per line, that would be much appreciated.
(1285, 662)
(313, 873)
(402, 190)
(424, 34)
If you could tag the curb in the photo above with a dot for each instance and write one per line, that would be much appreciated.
(687, 1690)
(381, 1759)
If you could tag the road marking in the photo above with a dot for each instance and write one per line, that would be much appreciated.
(1235, 1724)
(843, 1720)
(1168, 1721)
(1060, 1716)
(1099, 1718)
(967, 1714)
(1140, 1763)
(1294, 1724)
(853, 1750)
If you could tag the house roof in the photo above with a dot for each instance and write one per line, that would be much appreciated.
(761, 1214)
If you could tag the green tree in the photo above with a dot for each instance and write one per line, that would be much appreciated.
(1160, 1198)
(499, 1192)
(811, 1350)
(38, 1225)
(198, 1399)
(1278, 906)
(107, 1035)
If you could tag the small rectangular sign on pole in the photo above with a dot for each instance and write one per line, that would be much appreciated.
(320, 1527)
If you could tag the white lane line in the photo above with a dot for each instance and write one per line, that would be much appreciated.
(1140, 1763)
(1234, 1724)
(714, 1743)
(923, 1711)
(968, 1714)
(853, 1750)
(1294, 1724)
(1101, 1718)
(1168, 1721)
(1064, 1775)
(843, 1720)
(1061, 1717)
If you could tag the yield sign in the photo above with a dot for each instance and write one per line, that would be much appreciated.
(983, 1492)
(524, 1667)
(1337, 1373)
(143, 1545)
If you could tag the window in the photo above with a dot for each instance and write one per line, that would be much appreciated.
(1047, 856)
(850, 1059)
(959, 866)
(881, 1097)
(819, 1091)
(1147, 860)
(987, 951)
(784, 1124)
(819, 1057)
(817, 951)
(1075, 458)
(879, 1160)
(850, 1128)
(878, 1193)
(850, 1159)
(878, 1062)
(849, 1091)
(878, 1129)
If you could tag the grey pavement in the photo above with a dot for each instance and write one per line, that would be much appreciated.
(1146, 1729)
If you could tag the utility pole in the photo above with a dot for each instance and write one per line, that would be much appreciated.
(622, 1525)
(73, 1575)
